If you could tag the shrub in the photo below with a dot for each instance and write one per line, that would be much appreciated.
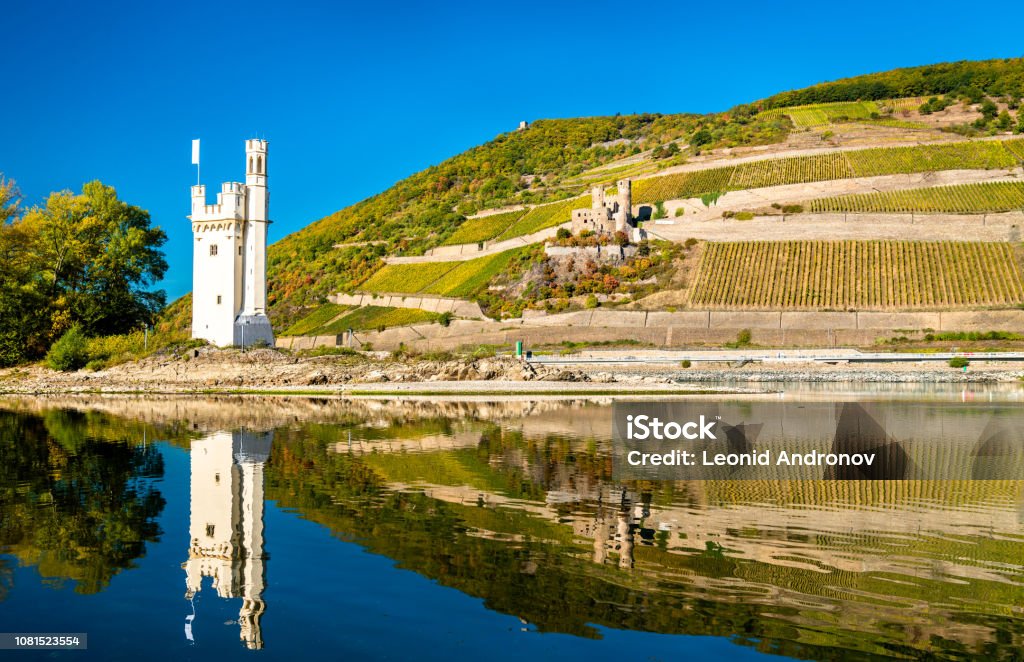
(70, 352)
(591, 302)
(563, 233)
(680, 211)
(702, 137)
(484, 352)
(12, 347)
(744, 216)
(685, 363)
(444, 319)
(959, 362)
(743, 337)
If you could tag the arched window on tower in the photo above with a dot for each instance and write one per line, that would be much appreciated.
(259, 164)
(250, 164)
(213, 249)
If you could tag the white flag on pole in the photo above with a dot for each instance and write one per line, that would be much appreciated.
(195, 152)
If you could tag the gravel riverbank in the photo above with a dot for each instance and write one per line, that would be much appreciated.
(211, 371)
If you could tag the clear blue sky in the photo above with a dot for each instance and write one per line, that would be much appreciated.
(355, 96)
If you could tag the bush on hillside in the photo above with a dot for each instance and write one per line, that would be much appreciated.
(70, 352)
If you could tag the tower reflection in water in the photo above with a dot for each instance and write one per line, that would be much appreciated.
(226, 526)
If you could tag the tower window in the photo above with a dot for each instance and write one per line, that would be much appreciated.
(213, 249)
(210, 528)
(218, 298)
(250, 164)
(259, 164)
(239, 250)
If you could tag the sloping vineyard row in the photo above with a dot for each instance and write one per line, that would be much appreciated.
(861, 275)
(966, 155)
(957, 199)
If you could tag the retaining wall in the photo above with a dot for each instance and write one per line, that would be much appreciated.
(433, 304)
(679, 329)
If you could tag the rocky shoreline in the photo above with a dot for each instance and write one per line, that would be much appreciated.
(208, 370)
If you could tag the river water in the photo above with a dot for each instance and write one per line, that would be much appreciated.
(272, 528)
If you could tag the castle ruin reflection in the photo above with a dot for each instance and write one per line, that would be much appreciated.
(226, 524)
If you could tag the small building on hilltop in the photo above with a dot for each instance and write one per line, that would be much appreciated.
(607, 214)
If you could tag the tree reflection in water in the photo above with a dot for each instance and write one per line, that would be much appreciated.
(77, 506)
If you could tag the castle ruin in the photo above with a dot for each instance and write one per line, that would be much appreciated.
(607, 214)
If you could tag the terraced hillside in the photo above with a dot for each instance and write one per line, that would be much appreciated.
(785, 140)
(958, 199)
(449, 279)
(815, 115)
(857, 275)
(972, 155)
(531, 167)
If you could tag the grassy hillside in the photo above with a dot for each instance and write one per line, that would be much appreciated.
(555, 160)
(520, 167)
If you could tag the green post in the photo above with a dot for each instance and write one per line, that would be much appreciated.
(519, 349)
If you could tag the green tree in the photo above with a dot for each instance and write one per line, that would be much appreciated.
(701, 137)
(19, 301)
(988, 110)
(9, 199)
(95, 256)
(711, 198)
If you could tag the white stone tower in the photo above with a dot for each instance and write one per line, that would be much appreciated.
(229, 257)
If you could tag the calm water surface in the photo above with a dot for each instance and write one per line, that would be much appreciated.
(274, 528)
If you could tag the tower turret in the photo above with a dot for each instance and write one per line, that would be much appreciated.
(623, 203)
(625, 187)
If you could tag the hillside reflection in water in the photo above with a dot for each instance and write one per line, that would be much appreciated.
(510, 503)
